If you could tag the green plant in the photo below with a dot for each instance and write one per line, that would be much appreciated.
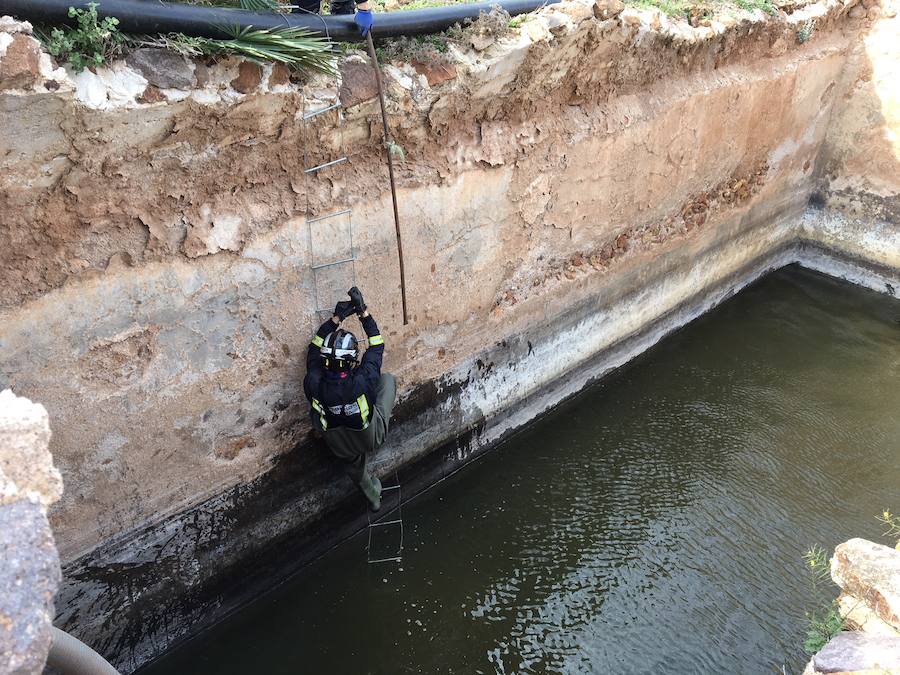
(820, 631)
(893, 524)
(295, 47)
(90, 43)
(804, 33)
(826, 622)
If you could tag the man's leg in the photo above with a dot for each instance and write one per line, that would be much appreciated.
(343, 6)
(308, 6)
(384, 404)
(350, 448)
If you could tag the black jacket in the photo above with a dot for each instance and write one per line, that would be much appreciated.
(343, 399)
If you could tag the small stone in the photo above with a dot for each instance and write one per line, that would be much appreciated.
(163, 68)
(358, 83)
(622, 242)
(20, 66)
(435, 73)
(152, 94)
(608, 9)
(857, 12)
(10, 25)
(280, 75)
(578, 260)
(557, 22)
(480, 41)
(249, 77)
(853, 650)
(119, 261)
(576, 11)
(51, 85)
(874, 13)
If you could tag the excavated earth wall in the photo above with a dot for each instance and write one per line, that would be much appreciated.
(598, 172)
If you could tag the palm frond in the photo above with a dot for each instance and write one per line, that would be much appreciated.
(296, 47)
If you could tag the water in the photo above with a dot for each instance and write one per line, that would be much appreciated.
(655, 523)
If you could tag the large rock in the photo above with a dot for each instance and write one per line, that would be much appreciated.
(29, 577)
(871, 573)
(29, 572)
(163, 68)
(358, 83)
(20, 65)
(855, 651)
(24, 457)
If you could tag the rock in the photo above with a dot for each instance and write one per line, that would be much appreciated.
(11, 25)
(152, 94)
(858, 616)
(608, 9)
(249, 77)
(435, 73)
(857, 12)
(20, 66)
(557, 22)
(24, 458)
(871, 573)
(576, 11)
(874, 13)
(852, 650)
(280, 75)
(358, 83)
(481, 41)
(162, 68)
(29, 577)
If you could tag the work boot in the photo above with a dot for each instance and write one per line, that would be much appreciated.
(371, 488)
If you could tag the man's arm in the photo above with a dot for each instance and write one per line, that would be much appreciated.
(371, 360)
(313, 362)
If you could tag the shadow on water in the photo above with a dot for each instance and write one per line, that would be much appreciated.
(655, 521)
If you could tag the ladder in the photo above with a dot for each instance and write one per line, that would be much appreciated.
(331, 233)
(331, 278)
(386, 533)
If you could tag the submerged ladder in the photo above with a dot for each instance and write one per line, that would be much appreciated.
(386, 532)
(385, 542)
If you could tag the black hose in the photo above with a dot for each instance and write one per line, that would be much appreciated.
(153, 16)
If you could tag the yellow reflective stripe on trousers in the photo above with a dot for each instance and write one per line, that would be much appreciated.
(363, 409)
(375, 340)
(318, 341)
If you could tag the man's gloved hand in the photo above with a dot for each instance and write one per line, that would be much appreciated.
(344, 309)
(356, 298)
(364, 19)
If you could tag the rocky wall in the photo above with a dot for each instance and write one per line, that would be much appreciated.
(861, 159)
(599, 170)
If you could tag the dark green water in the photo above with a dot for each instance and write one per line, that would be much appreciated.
(655, 523)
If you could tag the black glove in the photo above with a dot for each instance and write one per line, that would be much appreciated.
(344, 309)
(357, 299)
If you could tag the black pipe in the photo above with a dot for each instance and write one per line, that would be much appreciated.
(154, 16)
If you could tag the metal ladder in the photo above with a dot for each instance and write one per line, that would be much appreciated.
(336, 289)
(321, 228)
(396, 529)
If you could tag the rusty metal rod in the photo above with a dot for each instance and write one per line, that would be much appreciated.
(388, 141)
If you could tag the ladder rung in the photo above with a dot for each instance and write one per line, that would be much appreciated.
(390, 487)
(332, 264)
(325, 165)
(381, 560)
(330, 215)
(387, 522)
(314, 113)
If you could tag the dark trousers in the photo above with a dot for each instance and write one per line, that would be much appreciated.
(337, 6)
(351, 446)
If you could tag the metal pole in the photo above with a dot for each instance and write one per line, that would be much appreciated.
(390, 162)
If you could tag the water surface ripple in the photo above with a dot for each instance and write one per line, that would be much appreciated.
(655, 523)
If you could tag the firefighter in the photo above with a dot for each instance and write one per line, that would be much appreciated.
(351, 399)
